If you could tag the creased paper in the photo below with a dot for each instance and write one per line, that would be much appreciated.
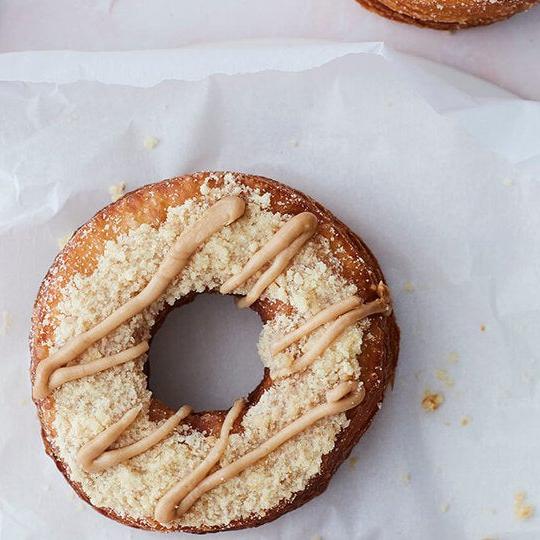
(443, 186)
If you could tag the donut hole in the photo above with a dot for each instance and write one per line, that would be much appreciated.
(205, 354)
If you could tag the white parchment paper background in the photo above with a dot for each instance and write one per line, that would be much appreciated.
(441, 184)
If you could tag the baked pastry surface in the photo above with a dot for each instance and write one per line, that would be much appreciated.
(113, 257)
(448, 14)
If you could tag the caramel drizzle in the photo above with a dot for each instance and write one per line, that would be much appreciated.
(94, 457)
(326, 315)
(337, 327)
(165, 508)
(65, 374)
(343, 397)
(282, 247)
(223, 213)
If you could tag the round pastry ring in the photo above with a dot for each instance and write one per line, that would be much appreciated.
(93, 461)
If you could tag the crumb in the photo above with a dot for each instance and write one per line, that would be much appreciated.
(453, 357)
(465, 421)
(408, 287)
(406, 479)
(521, 509)
(316, 537)
(379, 405)
(444, 377)
(5, 322)
(116, 191)
(482, 328)
(150, 142)
(445, 507)
(508, 182)
(525, 512)
(431, 402)
(353, 460)
(294, 143)
(63, 240)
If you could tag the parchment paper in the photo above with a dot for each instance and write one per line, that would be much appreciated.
(441, 184)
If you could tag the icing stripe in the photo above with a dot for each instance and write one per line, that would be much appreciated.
(282, 247)
(65, 374)
(336, 328)
(340, 391)
(94, 457)
(165, 508)
(278, 265)
(326, 315)
(224, 474)
(222, 213)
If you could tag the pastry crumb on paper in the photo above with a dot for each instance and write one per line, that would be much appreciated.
(150, 142)
(432, 401)
(522, 510)
(483, 328)
(465, 421)
(63, 240)
(116, 191)
(444, 377)
(408, 287)
(406, 479)
(353, 461)
(445, 507)
(5, 322)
